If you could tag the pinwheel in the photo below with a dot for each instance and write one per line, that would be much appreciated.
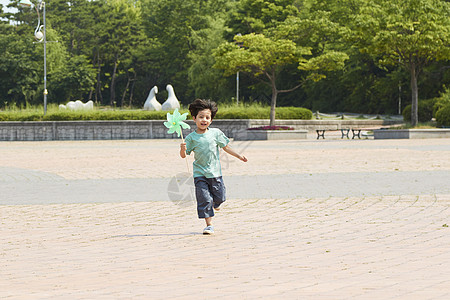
(175, 123)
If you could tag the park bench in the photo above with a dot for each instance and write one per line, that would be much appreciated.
(356, 132)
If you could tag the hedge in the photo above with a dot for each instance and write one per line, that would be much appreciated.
(81, 115)
(443, 116)
(281, 113)
(252, 112)
(98, 115)
(425, 110)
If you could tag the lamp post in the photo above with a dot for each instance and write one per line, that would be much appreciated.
(399, 93)
(237, 76)
(41, 37)
(237, 88)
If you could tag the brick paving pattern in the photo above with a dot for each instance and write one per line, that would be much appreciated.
(388, 245)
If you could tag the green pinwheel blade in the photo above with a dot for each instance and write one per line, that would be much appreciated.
(178, 131)
(168, 124)
(169, 118)
(184, 125)
(183, 116)
(176, 114)
(175, 122)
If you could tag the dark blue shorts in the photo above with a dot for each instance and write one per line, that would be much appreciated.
(210, 192)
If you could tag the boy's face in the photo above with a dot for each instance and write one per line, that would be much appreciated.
(203, 119)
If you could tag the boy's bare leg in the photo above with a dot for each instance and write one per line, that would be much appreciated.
(208, 221)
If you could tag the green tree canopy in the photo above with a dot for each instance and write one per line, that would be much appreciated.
(19, 72)
(411, 33)
(255, 16)
(114, 52)
(265, 58)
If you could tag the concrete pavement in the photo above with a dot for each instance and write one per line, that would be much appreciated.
(332, 219)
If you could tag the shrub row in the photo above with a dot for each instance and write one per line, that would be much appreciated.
(225, 113)
(425, 111)
(98, 115)
(281, 113)
(443, 109)
(428, 109)
(443, 116)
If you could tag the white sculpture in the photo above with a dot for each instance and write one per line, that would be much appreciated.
(78, 105)
(151, 103)
(71, 105)
(172, 101)
(88, 105)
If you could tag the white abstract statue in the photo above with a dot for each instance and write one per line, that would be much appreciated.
(151, 103)
(78, 105)
(172, 101)
(89, 105)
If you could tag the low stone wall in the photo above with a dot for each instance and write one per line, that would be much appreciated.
(153, 129)
(313, 125)
(253, 135)
(102, 130)
(412, 134)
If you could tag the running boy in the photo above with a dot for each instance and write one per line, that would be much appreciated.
(205, 143)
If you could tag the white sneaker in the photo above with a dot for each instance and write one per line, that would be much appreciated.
(208, 230)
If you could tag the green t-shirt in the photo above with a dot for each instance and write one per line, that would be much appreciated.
(206, 151)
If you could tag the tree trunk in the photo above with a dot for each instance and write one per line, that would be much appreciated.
(90, 94)
(125, 91)
(112, 97)
(414, 95)
(98, 94)
(273, 105)
(132, 89)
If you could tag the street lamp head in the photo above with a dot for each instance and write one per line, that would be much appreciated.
(39, 35)
(25, 3)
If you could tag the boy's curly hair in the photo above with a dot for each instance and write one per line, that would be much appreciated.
(201, 104)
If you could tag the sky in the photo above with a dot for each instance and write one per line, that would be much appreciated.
(5, 3)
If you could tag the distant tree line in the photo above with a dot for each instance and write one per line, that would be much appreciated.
(340, 55)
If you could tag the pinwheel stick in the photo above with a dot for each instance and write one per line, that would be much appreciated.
(182, 138)
(186, 160)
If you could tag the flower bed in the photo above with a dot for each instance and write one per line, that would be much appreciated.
(271, 133)
(271, 128)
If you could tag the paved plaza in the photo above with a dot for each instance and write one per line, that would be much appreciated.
(307, 219)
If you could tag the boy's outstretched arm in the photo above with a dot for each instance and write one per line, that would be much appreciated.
(230, 151)
(183, 150)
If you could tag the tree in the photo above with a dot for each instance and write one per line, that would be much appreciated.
(19, 72)
(256, 16)
(206, 81)
(107, 33)
(265, 58)
(73, 80)
(411, 33)
(169, 24)
(123, 35)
